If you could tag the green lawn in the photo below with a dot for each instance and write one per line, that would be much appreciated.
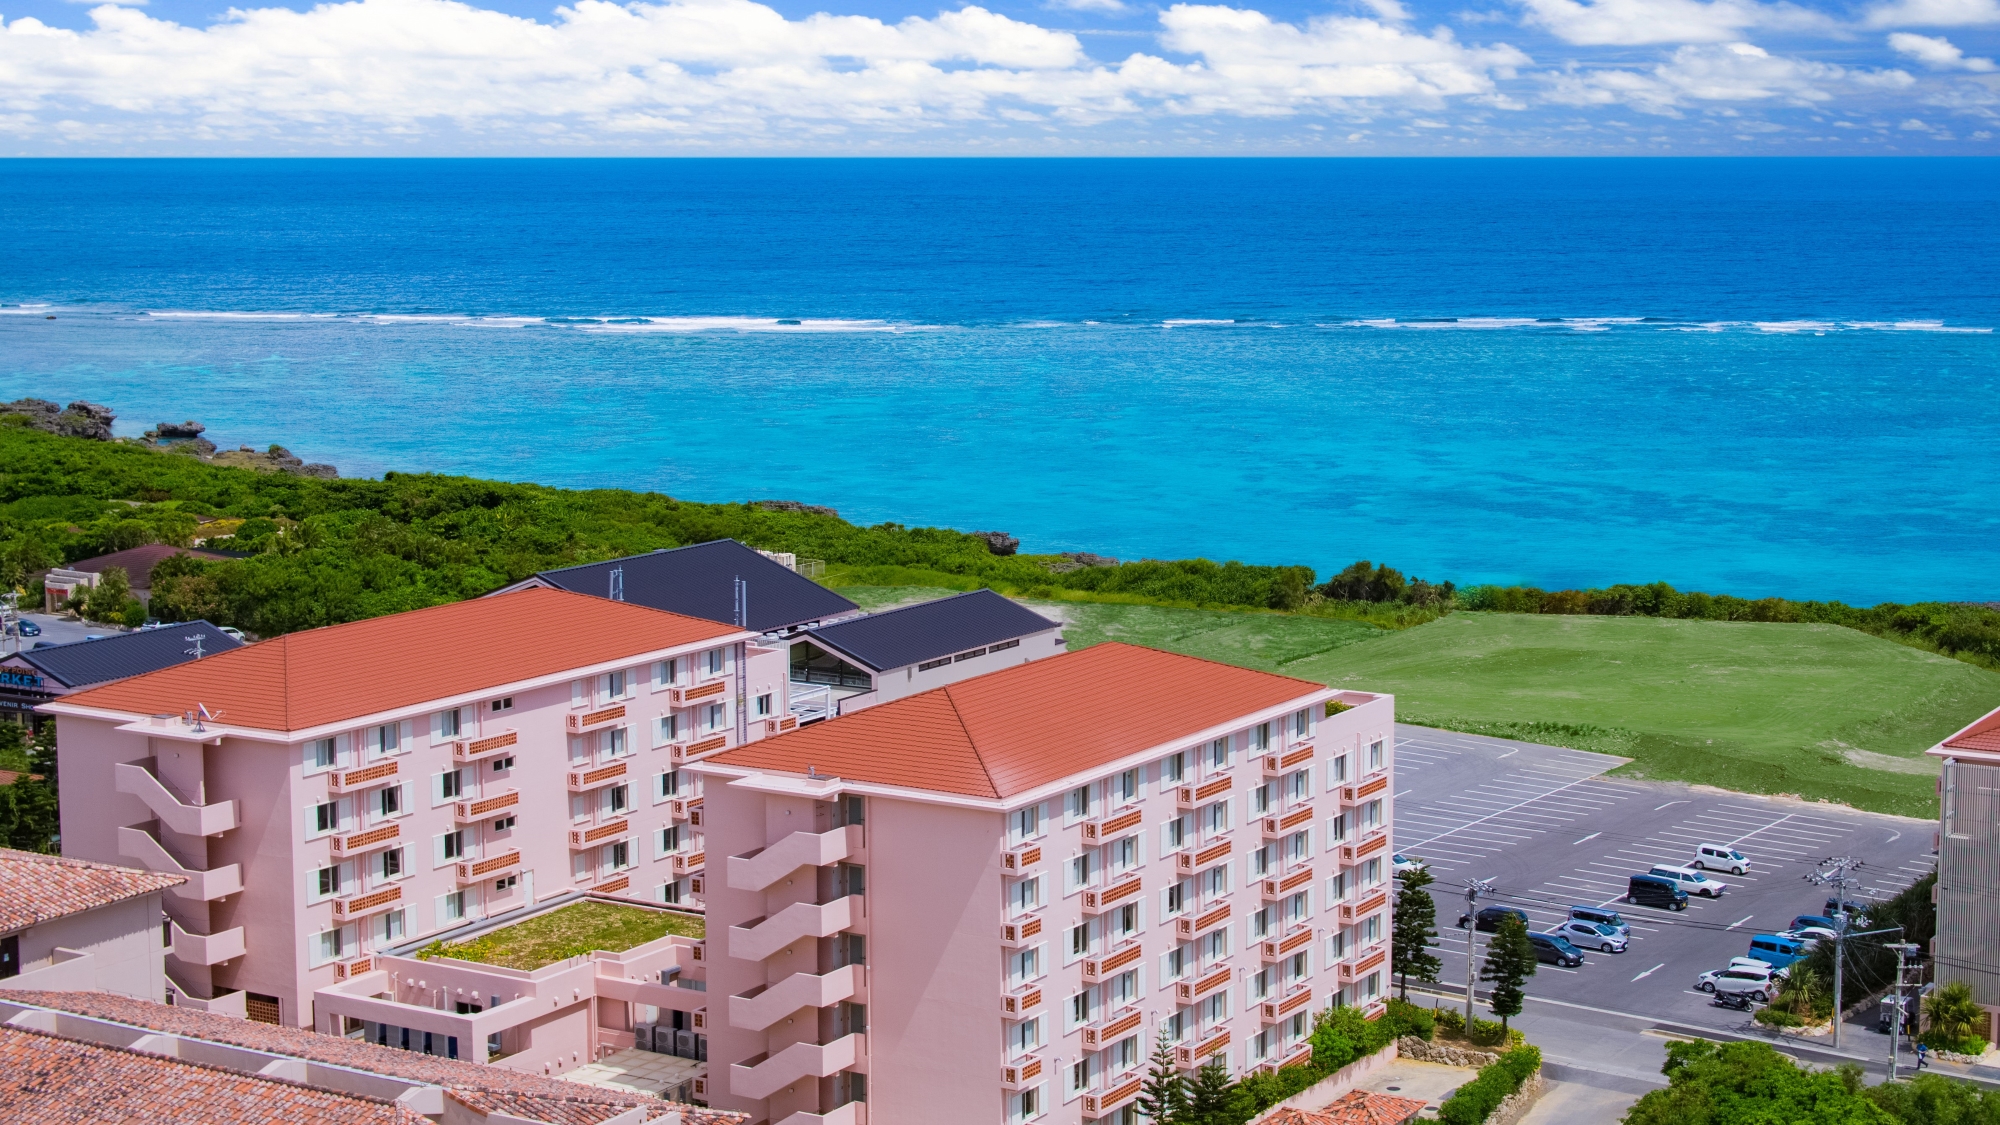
(1813, 710)
(569, 932)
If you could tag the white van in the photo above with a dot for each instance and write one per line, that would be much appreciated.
(1718, 858)
(1692, 881)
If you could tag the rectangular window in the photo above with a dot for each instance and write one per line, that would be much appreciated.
(1260, 924)
(1077, 804)
(1079, 939)
(1083, 870)
(669, 840)
(718, 716)
(670, 893)
(1218, 754)
(1298, 786)
(1025, 895)
(389, 802)
(1125, 921)
(323, 883)
(389, 865)
(1261, 861)
(1173, 769)
(1371, 815)
(616, 799)
(1083, 1007)
(579, 807)
(1302, 723)
(1336, 830)
(665, 672)
(1297, 908)
(1371, 872)
(1025, 965)
(506, 703)
(446, 724)
(1261, 799)
(385, 740)
(1374, 755)
(1371, 929)
(1336, 772)
(1126, 786)
(1174, 834)
(716, 661)
(450, 908)
(764, 705)
(1177, 896)
(668, 785)
(1025, 1036)
(615, 684)
(1336, 887)
(1025, 824)
(322, 754)
(615, 744)
(1260, 737)
(668, 729)
(322, 818)
(1123, 1055)
(450, 847)
(1123, 989)
(389, 928)
(618, 856)
(502, 763)
(940, 662)
(447, 786)
(1121, 855)
(327, 946)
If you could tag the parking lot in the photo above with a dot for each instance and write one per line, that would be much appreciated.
(1549, 831)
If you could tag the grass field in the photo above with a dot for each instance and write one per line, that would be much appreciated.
(569, 932)
(1814, 710)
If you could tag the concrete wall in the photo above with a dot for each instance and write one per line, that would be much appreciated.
(1968, 870)
(899, 682)
(113, 948)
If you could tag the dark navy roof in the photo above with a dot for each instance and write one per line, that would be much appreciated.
(700, 581)
(81, 663)
(913, 634)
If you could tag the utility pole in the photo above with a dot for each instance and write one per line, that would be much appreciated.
(1837, 872)
(1904, 950)
(1473, 890)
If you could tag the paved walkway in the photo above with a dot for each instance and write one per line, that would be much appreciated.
(638, 1071)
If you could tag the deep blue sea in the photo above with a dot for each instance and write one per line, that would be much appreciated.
(1746, 376)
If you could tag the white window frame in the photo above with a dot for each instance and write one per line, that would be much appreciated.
(326, 946)
(447, 725)
(312, 817)
(316, 763)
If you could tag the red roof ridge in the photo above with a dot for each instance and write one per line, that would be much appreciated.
(984, 770)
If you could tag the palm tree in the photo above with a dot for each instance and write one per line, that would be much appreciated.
(1952, 1012)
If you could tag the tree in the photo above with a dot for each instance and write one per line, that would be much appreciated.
(1415, 928)
(1751, 1084)
(1953, 1014)
(30, 812)
(1510, 961)
(1208, 1093)
(1164, 1098)
(106, 601)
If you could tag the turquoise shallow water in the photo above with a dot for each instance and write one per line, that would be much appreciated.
(1755, 377)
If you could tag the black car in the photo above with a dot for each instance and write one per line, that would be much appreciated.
(1488, 920)
(1551, 949)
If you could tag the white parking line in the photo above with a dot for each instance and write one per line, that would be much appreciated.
(1739, 921)
(1592, 836)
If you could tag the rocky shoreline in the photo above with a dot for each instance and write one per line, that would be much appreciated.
(93, 421)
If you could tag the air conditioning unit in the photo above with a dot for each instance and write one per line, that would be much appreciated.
(642, 1036)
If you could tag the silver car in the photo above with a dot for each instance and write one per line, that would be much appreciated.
(1591, 935)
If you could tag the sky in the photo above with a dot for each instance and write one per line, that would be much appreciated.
(1037, 77)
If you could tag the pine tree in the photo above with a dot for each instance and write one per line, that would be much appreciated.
(1414, 929)
(1164, 1098)
(1510, 961)
(1208, 1093)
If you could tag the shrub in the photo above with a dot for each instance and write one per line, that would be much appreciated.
(1405, 1018)
(1486, 1033)
(1954, 1017)
(1475, 1101)
(1451, 1021)
(1776, 1017)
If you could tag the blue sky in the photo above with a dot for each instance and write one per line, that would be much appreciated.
(1367, 77)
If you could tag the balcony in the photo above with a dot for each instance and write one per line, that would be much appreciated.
(374, 902)
(1021, 931)
(1280, 826)
(754, 871)
(765, 936)
(765, 1005)
(688, 696)
(1014, 1005)
(1188, 991)
(1015, 861)
(175, 815)
(1277, 763)
(1360, 965)
(1022, 1074)
(1128, 1087)
(206, 949)
(1189, 926)
(473, 749)
(1190, 1057)
(1277, 949)
(778, 726)
(353, 967)
(685, 863)
(354, 843)
(347, 781)
(761, 1076)
(853, 1113)
(1377, 840)
(1112, 1028)
(593, 719)
(1195, 796)
(470, 810)
(204, 886)
(1363, 792)
(613, 885)
(1113, 826)
(1102, 899)
(688, 751)
(582, 781)
(1273, 1011)
(1103, 968)
(1277, 888)
(1351, 912)
(492, 867)
(609, 831)
(684, 808)
(1190, 860)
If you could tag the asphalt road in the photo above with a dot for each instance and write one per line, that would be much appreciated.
(1549, 831)
(60, 630)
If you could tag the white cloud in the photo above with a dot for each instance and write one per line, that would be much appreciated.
(1635, 22)
(1937, 53)
(1935, 13)
(362, 70)
(1087, 5)
(1732, 72)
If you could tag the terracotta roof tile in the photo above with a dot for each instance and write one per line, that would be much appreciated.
(53, 1081)
(1356, 1107)
(339, 672)
(35, 888)
(1982, 735)
(1014, 730)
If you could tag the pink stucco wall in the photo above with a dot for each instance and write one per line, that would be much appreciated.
(114, 948)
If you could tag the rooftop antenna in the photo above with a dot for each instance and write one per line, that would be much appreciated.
(742, 603)
(203, 714)
(196, 642)
(812, 772)
(617, 583)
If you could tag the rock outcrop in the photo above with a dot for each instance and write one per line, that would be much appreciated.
(1432, 1051)
(89, 420)
(795, 506)
(1077, 560)
(78, 419)
(998, 542)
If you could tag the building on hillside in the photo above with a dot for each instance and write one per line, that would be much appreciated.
(39, 675)
(66, 923)
(134, 1060)
(1968, 914)
(877, 657)
(993, 895)
(710, 580)
(341, 790)
(64, 582)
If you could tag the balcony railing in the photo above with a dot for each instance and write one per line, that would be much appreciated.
(1376, 840)
(360, 906)
(1277, 763)
(597, 718)
(1017, 860)
(761, 1076)
(1113, 826)
(781, 725)
(1021, 931)
(1096, 969)
(687, 862)
(757, 870)
(762, 937)
(1191, 1057)
(688, 751)
(1188, 926)
(206, 949)
(1364, 791)
(483, 807)
(366, 840)
(1101, 899)
(492, 867)
(1188, 991)
(1017, 1004)
(695, 693)
(1272, 1011)
(175, 815)
(1277, 887)
(1190, 860)
(203, 885)
(584, 780)
(472, 749)
(761, 1007)
(593, 835)
(346, 781)
(1362, 963)
(1022, 1074)
(1128, 1087)
(1195, 796)
(684, 808)
(354, 967)
(1284, 824)
(1355, 911)
(1112, 1028)
(1279, 948)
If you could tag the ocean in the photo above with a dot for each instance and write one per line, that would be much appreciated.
(1747, 376)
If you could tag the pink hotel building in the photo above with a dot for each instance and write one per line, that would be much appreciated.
(345, 790)
(993, 895)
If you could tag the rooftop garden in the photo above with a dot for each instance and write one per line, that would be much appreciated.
(574, 930)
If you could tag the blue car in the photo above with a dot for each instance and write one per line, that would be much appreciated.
(27, 628)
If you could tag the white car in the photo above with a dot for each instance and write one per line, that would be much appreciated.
(1691, 881)
(1591, 935)
(1759, 986)
(232, 632)
(1719, 858)
(1408, 863)
(1809, 934)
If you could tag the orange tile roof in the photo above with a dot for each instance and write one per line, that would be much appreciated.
(1356, 1107)
(54, 1081)
(35, 888)
(1982, 735)
(339, 672)
(1020, 728)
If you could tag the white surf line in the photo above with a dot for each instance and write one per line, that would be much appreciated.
(1739, 921)
(1592, 836)
(1649, 972)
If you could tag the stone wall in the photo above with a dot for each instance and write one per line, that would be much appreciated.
(1424, 1050)
(1517, 1104)
(1324, 1091)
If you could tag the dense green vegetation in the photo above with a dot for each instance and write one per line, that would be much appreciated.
(570, 932)
(29, 818)
(1752, 1084)
(1208, 1097)
(1475, 1101)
